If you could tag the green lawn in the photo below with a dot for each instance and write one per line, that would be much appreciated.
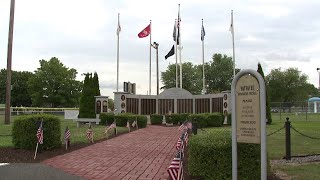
(301, 172)
(78, 135)
(300, 145)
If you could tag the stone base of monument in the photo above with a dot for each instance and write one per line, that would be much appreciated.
(169, 124)
(86, 120)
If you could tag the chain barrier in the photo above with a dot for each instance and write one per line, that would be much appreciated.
(304, 134)
(276, 131)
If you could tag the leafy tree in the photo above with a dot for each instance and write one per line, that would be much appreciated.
(111, 104)
(268, 110)
(190, 78)
(19, 93)
(289, 86)
(219, 73)
(54, 85)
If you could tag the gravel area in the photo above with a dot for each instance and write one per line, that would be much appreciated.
(297, 160)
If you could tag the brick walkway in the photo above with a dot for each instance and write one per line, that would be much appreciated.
(142, 154)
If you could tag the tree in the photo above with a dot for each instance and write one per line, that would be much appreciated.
(87, 101)
(111, 104)
(19, 93)
(268, 110)
(191, 79)
(96, 84)
(289, 86)
(54, 85)
(219, 73)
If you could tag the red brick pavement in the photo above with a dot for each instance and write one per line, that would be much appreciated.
(143, 154)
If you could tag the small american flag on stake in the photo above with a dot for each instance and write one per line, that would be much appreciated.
(67, 135)
(183, 126)
(40, 134)
(90, 134)
(175, 169)
(113, 125)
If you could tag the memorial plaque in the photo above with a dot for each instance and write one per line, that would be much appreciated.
(248, 109)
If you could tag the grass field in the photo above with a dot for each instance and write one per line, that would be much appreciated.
(300, 145)
(78, 135)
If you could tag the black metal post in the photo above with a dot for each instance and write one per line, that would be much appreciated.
(288, 139)
(195, 128)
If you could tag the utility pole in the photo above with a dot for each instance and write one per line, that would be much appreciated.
(156, 45)
(9, 62)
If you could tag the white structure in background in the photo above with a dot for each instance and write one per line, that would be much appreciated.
(314, 104)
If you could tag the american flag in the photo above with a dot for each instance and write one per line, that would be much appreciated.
(40, 134)
(189, 125)
(180, 143)
(134, 123)
(183, 126)
(67, 134)
(186, 138)
(90, 133)
(175, 169)
(113, 125)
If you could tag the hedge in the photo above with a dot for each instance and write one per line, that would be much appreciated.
(25, 128)
(210, 156)
(142, 121)
(215, 119)
(106, 118)
(122, 119)
(199, 119)
(156, 118)
(229, 120)
(176, 118)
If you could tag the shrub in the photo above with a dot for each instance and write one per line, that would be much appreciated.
(199, 119)
(215, 119)
(25, 128)
(156, 118)
(176, 118)
(229, 119)
(210, 156)
(106, 118)
(142, 121)
(121, 119)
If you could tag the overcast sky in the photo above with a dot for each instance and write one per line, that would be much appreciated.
(82, 34)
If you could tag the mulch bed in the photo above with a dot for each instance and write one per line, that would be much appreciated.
(12, 155)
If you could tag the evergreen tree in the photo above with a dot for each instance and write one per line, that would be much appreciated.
(87, 101)
(96, 84)
(268, 110)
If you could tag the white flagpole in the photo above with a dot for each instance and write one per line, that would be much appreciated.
(118, 33)
(176, 52)
(150, 61)
(180, 46)
(233, 54)
(203, 77)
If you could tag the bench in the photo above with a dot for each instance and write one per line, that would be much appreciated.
(86, 120)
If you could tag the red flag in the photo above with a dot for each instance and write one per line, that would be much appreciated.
(145, 32)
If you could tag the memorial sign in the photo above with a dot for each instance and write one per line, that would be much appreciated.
(248, 110)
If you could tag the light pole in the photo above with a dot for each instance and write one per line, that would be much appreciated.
(155, 45)
(318, 69)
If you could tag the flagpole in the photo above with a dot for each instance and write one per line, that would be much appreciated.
(118, 33)
(150, 61)
(180, 46)
(176, 52)
(233, 54)
(203, 77)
